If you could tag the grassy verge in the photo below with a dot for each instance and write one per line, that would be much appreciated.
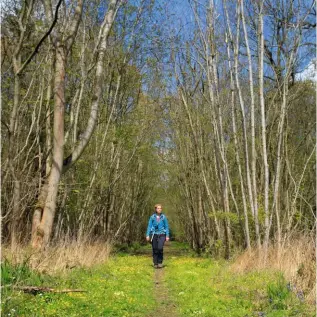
(204, 287)
(120, 288)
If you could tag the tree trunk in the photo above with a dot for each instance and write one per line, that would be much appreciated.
(253, 150)
(263, 130)
(106, 27)
(15, 180)
(43, 232)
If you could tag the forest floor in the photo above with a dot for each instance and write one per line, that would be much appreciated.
(128, 286)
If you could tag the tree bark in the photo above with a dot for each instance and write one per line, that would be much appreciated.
(107, 24)
(43, 232)
(253, 150)
(263, 132)
(235, 139)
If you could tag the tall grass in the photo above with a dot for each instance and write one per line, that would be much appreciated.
(296, 260)
(58, 258)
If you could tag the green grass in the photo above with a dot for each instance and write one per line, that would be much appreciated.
(122, 287)
(20, 273)
(204, 287)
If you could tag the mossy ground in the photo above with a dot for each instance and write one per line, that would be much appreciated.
(128, 286)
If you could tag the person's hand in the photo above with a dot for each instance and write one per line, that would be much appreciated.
(167, 239)
(147, 238)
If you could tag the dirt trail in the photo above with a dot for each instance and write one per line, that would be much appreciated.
(165, 305)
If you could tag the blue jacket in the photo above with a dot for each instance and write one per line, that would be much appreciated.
(160, 227)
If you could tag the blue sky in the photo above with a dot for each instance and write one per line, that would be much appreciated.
(172, 20)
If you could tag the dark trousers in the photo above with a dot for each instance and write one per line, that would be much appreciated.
(157, 247)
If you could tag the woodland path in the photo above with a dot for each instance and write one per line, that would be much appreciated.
(127, 285)
(166, 307)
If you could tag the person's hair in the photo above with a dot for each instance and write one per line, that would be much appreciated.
(157, 206)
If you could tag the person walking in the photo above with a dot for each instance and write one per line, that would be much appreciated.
(158, 232)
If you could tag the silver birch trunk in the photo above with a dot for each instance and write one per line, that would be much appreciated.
(242, 107)
(263, 133)
(253, 150)
(107, 25)
(235, 139)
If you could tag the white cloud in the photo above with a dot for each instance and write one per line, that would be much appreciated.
(309, 73)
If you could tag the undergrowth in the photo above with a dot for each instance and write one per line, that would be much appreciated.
(122, 285)
(204, 287)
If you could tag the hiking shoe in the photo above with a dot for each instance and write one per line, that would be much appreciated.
(160, 265)
(155, 266)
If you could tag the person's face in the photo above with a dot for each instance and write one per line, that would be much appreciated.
(159, 209)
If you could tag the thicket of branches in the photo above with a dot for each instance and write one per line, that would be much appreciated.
(77, 122)
(106, 109)
(243, 125)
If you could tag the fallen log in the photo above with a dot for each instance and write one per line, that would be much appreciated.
(36, 290)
